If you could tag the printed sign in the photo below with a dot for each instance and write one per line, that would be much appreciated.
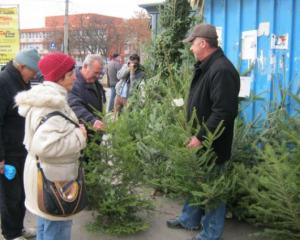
(52, 45)
(9, 33)
(280, 41)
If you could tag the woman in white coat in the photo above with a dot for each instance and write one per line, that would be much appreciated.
(57, 141)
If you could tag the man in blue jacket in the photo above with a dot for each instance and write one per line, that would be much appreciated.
(87, 95)
(214, 95)
(14, 78)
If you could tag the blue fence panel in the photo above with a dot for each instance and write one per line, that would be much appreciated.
(275, 62)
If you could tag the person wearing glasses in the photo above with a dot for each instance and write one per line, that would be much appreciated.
(87, 96)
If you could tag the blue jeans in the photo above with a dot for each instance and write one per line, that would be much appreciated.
(53, 230)
(112, 99)
(212, 221)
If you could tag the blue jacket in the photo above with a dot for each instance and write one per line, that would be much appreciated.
(86, 99)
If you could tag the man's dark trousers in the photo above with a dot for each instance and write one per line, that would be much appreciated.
(12, 198)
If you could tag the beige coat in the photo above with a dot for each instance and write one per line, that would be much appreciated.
(57, 142)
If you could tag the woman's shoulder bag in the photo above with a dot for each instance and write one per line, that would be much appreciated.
(60, 198)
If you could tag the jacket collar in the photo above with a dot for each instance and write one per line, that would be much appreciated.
(45, 95)
(56, 86)
(79, 76)
(16, 75)
(206, 63)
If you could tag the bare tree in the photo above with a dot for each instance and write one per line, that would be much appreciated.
(137, 31)
(95, 35)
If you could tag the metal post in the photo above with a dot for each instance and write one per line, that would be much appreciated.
(66, 28)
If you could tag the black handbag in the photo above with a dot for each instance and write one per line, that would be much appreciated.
(60, 198)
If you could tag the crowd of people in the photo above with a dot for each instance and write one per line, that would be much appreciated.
(29, 142)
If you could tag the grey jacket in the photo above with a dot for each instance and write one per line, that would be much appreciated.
(112, 68)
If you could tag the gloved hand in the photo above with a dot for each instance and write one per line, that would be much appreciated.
(9, 171)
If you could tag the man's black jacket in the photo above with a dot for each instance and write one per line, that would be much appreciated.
(86, 98)
(214, 95)
(11, 123)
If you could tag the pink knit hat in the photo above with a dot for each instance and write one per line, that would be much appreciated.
(55, 65)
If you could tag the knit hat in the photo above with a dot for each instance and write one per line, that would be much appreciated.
(55, 65)
(202, 30)
(29, 58)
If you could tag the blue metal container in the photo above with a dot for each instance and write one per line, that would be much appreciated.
(262, 39)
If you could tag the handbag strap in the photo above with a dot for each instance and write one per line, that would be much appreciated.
(44, 119)
(56, 113)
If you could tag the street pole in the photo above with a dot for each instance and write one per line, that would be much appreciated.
(66, 28)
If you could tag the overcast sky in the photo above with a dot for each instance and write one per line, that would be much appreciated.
(33, 12)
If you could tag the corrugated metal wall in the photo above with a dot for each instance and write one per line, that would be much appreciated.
(262, 38)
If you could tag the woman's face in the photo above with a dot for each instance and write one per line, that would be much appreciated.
(68, 80)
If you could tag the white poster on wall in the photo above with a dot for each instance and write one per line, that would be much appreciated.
(264, 29)
(245, 88)
(220, 36)
(249, 45)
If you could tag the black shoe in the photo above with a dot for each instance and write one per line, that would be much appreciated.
(193, 238)
(174, 223)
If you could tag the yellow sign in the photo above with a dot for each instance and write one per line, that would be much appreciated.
(9, 33)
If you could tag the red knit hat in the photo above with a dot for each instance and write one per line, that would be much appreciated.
(55, 65)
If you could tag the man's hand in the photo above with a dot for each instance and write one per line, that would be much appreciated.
(98, 125)
(83, 130)
(2, 166)
(194, 143)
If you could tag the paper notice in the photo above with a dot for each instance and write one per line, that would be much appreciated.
(249, 45)
(245, 87)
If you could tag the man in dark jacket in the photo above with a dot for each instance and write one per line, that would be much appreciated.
(112, 68)
(14, 78)
(87, 95)
(214, 95)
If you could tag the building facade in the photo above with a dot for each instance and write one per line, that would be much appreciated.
(88, 33)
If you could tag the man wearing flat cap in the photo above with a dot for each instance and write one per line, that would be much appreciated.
(14, 78)
(214, 95)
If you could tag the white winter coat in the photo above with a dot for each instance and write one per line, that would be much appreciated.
(57, 142)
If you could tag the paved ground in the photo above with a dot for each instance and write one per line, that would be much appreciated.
(165, 209)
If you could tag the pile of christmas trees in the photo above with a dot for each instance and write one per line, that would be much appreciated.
(146, 147)
(268, 187)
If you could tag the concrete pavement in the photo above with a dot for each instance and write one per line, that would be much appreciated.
(164, 209)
